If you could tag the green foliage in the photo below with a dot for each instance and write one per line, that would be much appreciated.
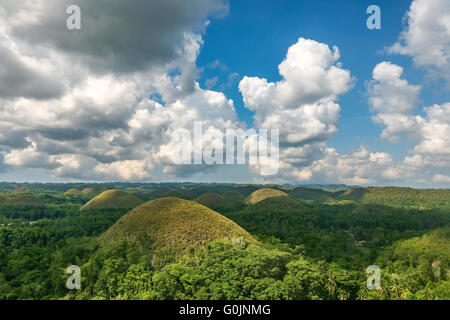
(348, 234)
(316, 247)
(310, 194)
(21, 200)
(219, 203)
(233, 195)
(226, 270)
(90, 191)
(73, 191)
(416, 268)
(401, 197)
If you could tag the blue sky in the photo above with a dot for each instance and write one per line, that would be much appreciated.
(254, 37)
(101, 103)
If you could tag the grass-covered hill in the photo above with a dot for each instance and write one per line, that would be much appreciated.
(174, 224)
(264, 193)
(310, 194)
(400, 197)
(20, 200)
(246, 190)
(89, 191)
(73, 191)
(113, 199)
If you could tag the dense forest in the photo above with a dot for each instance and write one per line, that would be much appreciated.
(222, 241)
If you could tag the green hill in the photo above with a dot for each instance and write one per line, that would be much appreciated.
(113, 199)
(355, 194)
(233, 195)
(89, 191)
(73, 191)
(310, 194)
(264, 193)
(400, 197)
(174, 224)
(246, 190)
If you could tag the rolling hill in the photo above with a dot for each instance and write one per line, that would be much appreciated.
(113, 199)
(89, 191)
(174, 224)
(278, 204)
(400, 197)
(264, 193)
(73, 191)
(246, 190)
(233, 195)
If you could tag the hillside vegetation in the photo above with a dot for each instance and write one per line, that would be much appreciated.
(348, 234)
(262, 194)
(20, 200)
(89, 190)
(310, 194)
(74, 191)
(174, 224)
(197, 192)
(214, 201)
(417, 268)
(312, 244)
(246, 190)
(400, 197)
(113, 199)
(233, 195)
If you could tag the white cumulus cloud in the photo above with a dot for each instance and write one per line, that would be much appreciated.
(427, 36)
(393, 99)
(303, 105)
